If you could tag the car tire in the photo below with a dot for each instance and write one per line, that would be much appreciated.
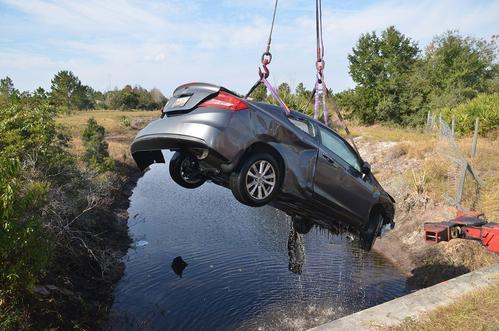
(302, 225)
(183, 168)
(370, 233)
(257, 180)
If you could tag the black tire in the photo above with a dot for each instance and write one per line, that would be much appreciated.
(370, 233)
(184, 170)
(242, 179)
(302, 225)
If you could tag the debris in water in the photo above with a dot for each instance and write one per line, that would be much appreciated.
(296, 251)
(178, 265)
(350, 237)
(141, 243)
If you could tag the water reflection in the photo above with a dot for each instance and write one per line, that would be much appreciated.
(246, 266)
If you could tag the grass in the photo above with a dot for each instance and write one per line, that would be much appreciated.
(120, 129)
(384, 133)
(109, 119)
(418, 145)
(475, 311)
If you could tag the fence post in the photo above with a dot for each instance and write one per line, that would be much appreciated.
(428, 119)
(453, 124)
(475, 138)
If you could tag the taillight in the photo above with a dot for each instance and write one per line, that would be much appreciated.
(225, 100)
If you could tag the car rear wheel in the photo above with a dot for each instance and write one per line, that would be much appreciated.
(257, 180)
(370, 233)
(184, 170)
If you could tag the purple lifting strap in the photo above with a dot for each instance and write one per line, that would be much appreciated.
(320, 93)
(275, 95)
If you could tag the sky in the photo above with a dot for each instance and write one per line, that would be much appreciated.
(163, 44)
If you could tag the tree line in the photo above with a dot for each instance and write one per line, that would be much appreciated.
(398, 83)
(68, 93)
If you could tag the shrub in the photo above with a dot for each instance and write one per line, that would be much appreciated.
(484, 106)
(32, 159)
(125, 121)
(96, 153)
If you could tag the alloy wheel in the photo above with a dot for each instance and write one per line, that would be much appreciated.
(261, 179)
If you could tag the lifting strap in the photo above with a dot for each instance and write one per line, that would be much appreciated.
(265, 60)
(320, 91)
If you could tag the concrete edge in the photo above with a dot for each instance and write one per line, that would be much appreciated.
(412, 306)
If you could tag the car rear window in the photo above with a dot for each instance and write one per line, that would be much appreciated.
(302, 125)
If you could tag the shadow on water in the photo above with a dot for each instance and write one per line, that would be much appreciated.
(430, 275)
(247, 267)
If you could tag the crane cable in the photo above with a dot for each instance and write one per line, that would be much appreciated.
(320, 90)
(263, 75)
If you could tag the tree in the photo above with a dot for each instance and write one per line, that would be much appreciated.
(381, 67)
(283, 89)
(458, 68)
(68, 93)
(260, 93)
(8, 93)
(96, 148)
(158, 98)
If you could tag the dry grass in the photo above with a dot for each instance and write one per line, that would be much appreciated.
(118, 133)
(475, 311)
(383, 133)
(110, 119)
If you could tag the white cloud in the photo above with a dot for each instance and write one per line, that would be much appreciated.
(165, 43)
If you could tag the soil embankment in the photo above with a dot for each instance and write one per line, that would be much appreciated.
(415, 175)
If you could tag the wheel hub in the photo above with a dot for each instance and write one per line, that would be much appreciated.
(261, 179)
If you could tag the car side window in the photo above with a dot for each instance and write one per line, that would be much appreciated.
(340, 148)
(302, 125)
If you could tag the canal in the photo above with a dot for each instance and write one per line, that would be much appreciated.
(239, 267)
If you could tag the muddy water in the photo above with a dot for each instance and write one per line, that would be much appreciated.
(246, 268)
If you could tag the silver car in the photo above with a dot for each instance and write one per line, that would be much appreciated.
(291, 162)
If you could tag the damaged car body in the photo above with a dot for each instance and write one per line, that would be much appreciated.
(291, 162)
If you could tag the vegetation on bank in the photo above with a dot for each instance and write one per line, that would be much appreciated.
(59, 244)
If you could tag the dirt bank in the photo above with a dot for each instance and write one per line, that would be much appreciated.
(409, 171)
(77, 292)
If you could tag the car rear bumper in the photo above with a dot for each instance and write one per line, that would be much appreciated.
(146, 150)
(203, 128)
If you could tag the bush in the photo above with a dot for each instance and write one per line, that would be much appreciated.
(24, 246)
(32, 159)
(96, 153)
(484, 106)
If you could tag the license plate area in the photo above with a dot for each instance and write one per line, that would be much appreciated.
(181, 101)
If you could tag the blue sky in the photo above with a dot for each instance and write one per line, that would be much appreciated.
(166, 43)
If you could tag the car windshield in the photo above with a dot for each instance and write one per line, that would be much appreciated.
(339, 147)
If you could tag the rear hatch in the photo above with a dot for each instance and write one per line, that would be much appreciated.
(188, 96)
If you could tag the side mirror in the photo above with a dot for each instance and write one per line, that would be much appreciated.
(366, 168)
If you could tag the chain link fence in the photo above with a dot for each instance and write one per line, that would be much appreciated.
(464, 184)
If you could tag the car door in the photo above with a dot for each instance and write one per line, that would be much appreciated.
(338, 180)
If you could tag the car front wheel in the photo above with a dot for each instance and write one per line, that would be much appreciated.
(184, 170)
(257, 180)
